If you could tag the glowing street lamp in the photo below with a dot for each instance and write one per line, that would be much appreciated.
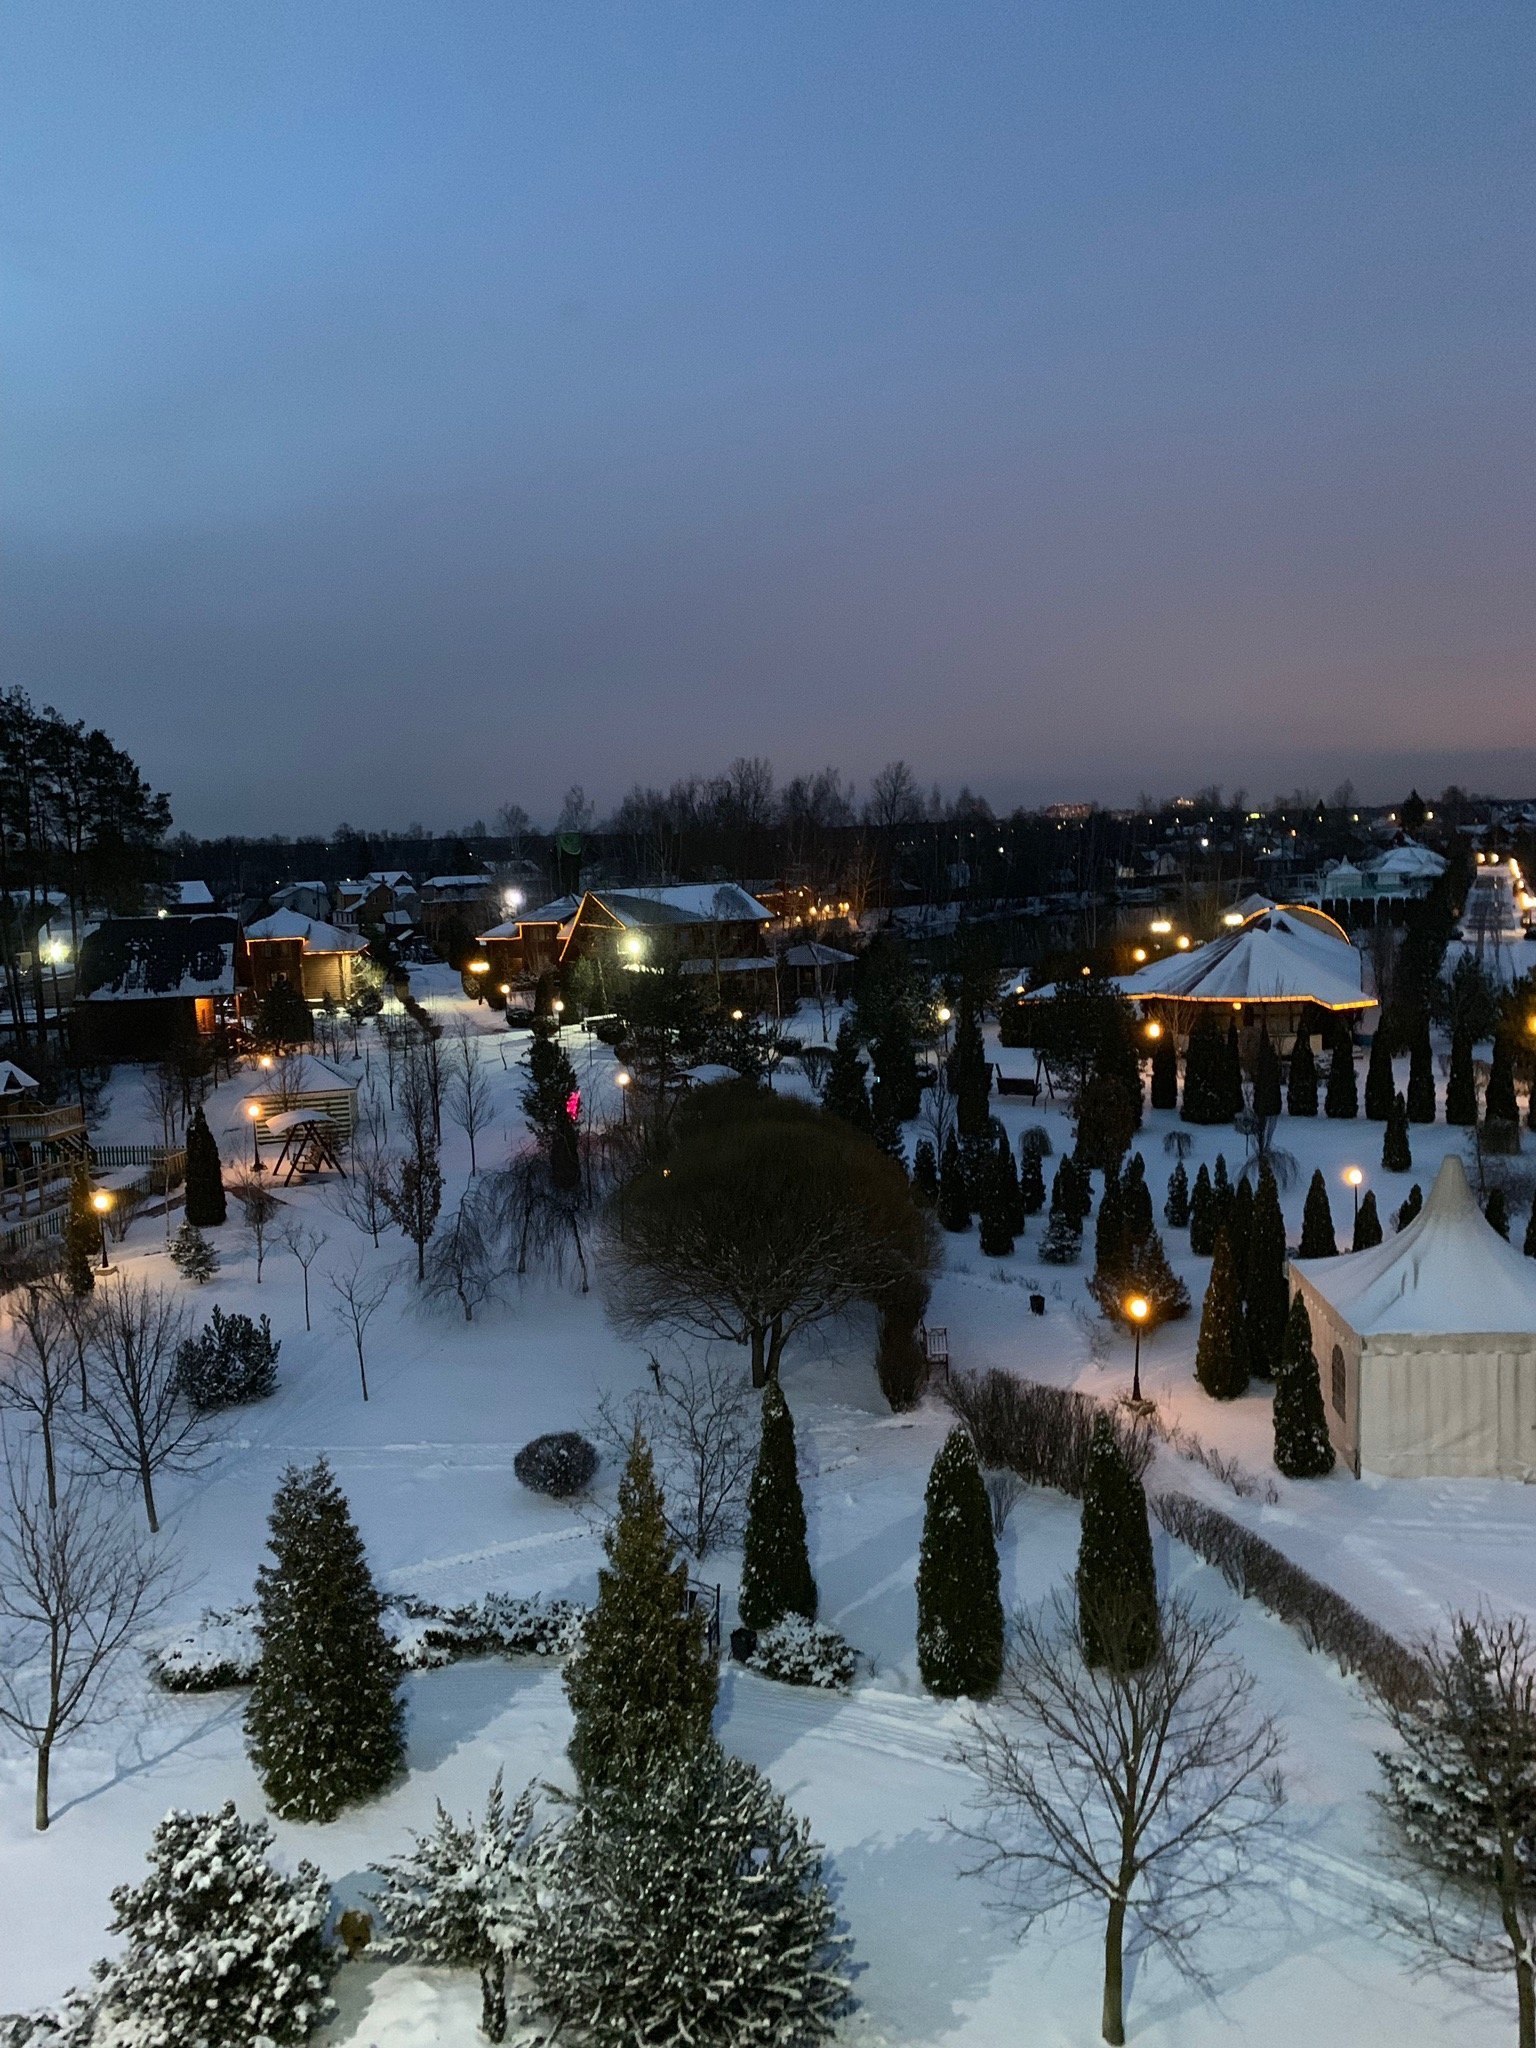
(1138, 954)
(1356, 1180)
(736, 1016)
(479, 966)
(621, 1081)
(1138, 1308)
(1154, 1029)
(1160, 927)
(253, 1111)
(101, 1202)
(1182, 942)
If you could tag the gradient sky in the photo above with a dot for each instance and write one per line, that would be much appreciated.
(409, 408)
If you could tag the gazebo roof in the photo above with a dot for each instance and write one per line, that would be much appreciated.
(1276, 956)
(1448, 1273)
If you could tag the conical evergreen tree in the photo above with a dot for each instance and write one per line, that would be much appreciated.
(1165, 1072)
(1109, 1231)
(206, 1207)
(970, 1077)
(1367, 1224)
(1421, 1076)
(954, 1190)
(1499, 1103)
(1318, 1240)
(1232, 1100)
(1302, 1446)
(642, 1685)
(775, 1565)
(1343, 1099)
(1176, 1205)
(1221, 1193)
(1116, 1576)
(1301, 1081)
(845, 1093)
(1496, 1209)
(1205, 1095)
(1031, 1185)
(997, 1205)
(959, 1601)
(324, 1723)
(1239, 1230)
(1221, 1354)
(193, 1256)
(925, 1174)
(1137, 1197)
(82, 1235)
(1411, 1207)
(1396, 1152)
(1202, 1215)
(1008, 1174)
(1461, 1088)
(1062, 1243)
(1266, 1293)
(886, 1124)
(1379, 1083)
(1266, 1077)
(1079, 1189)
(1529, 1244)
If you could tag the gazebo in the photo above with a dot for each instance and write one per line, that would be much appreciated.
(1427, 1345)
(1284, 964)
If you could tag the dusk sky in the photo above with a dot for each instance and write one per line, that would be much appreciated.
(410, 409)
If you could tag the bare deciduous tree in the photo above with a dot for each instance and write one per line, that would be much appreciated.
(541, 1220)
(139, 1422)
(358, 1292)
(702, 1428)
(461, 1259)
(35, 1379)
(1461, 1791)
(1147, 1790)
(258, 1211)
(306, 1244)
(361, 1197)
(76, 1588)
(470, 1100)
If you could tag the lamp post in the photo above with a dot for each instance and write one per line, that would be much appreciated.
(1138, 1308)
(253, 1111)
(1355, 1178)
(944, 1013)
(621, 1081)
(101, 1202)
(557, 1011)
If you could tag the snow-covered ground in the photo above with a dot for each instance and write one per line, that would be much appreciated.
(427, 1466)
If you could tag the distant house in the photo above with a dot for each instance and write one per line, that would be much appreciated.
(388, 897)
(144, 984)
(468, 900)
(316, 958)
(189, 899)
(714, 928)
(309, 899)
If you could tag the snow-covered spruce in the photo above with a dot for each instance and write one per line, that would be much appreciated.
(687, 1905)
(231, 1360)
(221, 1950)
(464, 1897)
(223, 1649)
(801, 1652)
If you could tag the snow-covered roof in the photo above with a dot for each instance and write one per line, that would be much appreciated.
(1284, 955)
(156, 959)
(194, 895)
(547, 913)
(811, 953)
(1409, 862)
(459, 882)
(317, 935)
(1448, 1273)
(14, 1080)
(691, 903)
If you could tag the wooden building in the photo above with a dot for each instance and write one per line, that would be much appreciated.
(145, 984)
(713, 928)
(313, 957)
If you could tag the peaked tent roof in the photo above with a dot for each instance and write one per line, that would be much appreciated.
(318, 936)
(1277, 956)
(13, 1079)
(1449, 1273)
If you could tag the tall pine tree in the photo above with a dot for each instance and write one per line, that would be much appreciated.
(206, 1206)
(1499, 1103)
(1421, 1075)
(1221, 1353)
(845, 1093)
(1266, 1292)
(1165, 1071)
(1379, 1083)
(1343, 1098)
(1396, 1152)
(1411, 1207)
(324, 1724)
(642, 1686)
(1496, 1209)
(1302, 1446)
(1176, 1204)
(1318, 1239)
(1461, 1088)
(1301, 1081)
(959, 1599)
(1031, 1184)
(1116, 1576)
(1232, 1074)
(1367, 1224)
(954, 1188)
(1266, 1077)
(925, 1174)
(775, 1566)
(970, 1077)
(1205, 1090)
(1202, 1214)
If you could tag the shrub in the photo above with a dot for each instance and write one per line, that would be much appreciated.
(1323, 1619)
(559, 1464)
(801, 1652)
(1040, 1432)
(230, 1361)
(193, 1256)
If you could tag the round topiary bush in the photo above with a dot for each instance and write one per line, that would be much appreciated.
(559, 1464)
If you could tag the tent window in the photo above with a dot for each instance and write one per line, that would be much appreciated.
(1338, 1379)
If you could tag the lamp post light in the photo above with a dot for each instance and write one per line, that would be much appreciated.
(1356, 1180)
(101, 1202)
(621, 1081)
(557, 1011)
(1138, 1308)
(944, 1013)
(253, 1111)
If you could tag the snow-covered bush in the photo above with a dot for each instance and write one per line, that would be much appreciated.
(464, 1897)
(223, 1650)
(70, 2025)
(193, 1256)
(231, 1360)
(801, 1652)
(686, 1903)
(560, 1464)
(1040, 1432)
(220, 1948)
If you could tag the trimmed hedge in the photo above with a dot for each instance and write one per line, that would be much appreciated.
(1040, 1432)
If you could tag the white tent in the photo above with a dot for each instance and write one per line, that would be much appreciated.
(1427, 1345)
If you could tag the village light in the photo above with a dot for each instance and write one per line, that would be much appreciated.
(479, 966)
(634, 945)
(511, 899)
(505, 988)
(265, 1061)
(253, 1111)
(736, 1016)
(1154, 1029)
(1138, 1308)
(1183, 942)
(1233, 918)
(1139, 954)
(1355, 1178)
(101, 1202)
(1162, 926)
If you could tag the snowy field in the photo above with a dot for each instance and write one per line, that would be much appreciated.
(427, 1467)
